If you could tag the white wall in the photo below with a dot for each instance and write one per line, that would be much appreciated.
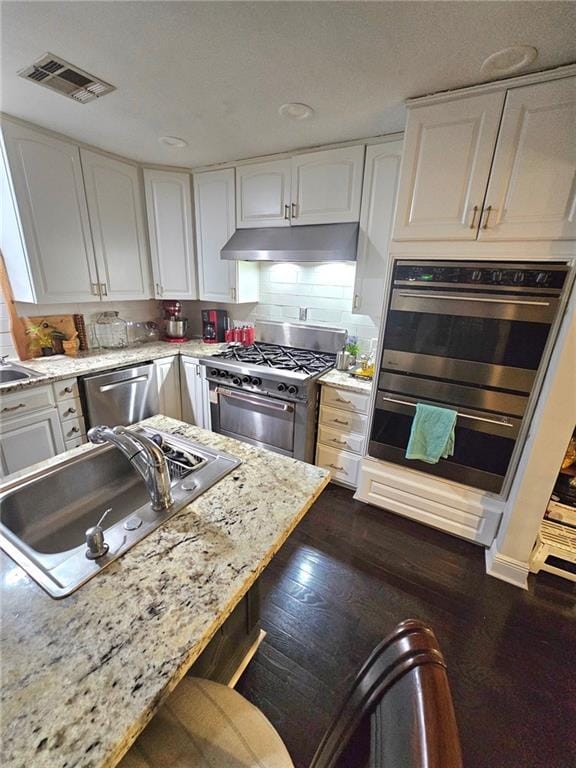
(6, 345)
(325, 289)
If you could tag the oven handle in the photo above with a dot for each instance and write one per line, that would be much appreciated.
(452, 297)
(273, 405)
(500, 423)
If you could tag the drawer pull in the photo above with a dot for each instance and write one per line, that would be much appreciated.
(13, 407)
(74, 430)
(338, 442)
(342, 400)
(70, 410)
(68, 390)
(340, 469)
(339, 421)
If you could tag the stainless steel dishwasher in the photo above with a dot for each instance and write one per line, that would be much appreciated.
(123, 396)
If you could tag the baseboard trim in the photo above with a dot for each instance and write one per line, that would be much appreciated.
(506, 568)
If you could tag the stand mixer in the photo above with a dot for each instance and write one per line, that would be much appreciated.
(174, 324)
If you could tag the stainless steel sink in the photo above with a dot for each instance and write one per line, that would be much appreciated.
(44, 518)
(15, 372)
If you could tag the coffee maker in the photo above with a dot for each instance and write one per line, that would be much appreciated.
(174, 324)
(214, 325)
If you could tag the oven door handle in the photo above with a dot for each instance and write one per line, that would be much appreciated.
(273, 405)
(452, 297)
(500, 422)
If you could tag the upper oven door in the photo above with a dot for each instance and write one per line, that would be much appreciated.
(485, 338)
(259, 420)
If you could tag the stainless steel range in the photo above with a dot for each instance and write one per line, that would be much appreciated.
(267, 394)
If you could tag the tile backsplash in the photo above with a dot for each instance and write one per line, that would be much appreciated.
(323, 289)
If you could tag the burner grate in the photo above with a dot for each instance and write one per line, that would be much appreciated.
(282, 358)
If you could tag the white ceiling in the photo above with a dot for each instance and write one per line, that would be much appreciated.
(215, 73)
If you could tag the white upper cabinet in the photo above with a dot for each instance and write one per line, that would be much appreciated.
(381, 174)
(169, 211)
(263, 194)
(448, 149)
(220, 280)
(115, 207)
(49, 215)
(532, 189)
(327, 186)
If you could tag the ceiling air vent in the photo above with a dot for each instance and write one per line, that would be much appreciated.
(57, 74)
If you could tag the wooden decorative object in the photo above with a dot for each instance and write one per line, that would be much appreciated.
(17, 330)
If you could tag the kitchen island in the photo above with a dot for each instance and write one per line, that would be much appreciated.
(82, 676)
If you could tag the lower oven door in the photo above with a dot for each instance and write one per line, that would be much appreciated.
(262, 421)
(483, 448)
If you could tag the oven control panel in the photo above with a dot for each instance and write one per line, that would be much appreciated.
(287, 390)
(537, 275)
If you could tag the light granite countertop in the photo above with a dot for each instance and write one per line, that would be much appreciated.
(82, 676)
(343, 380)
(61, 367)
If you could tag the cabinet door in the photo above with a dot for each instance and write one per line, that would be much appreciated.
(193, 386)
(168, 382)
(532, 189)
(381, 176)
(263, 194)
(448, 149)
(215, 224)
(169, 213)
(116, 217)
(327, 185)
(46, 177)
(29, 439)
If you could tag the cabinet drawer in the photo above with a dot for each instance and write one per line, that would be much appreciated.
(341, 441)
(75, 442)
(343, 422)
(22, 402)
(342, 465)
(341, 398)
(69, 409)
(65, 389)
(73, 428)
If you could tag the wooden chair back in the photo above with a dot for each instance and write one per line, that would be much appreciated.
(399, 712)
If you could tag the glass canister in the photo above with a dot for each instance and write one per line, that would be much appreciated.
(111, 331)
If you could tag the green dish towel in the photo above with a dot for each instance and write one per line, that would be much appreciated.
(432, 434)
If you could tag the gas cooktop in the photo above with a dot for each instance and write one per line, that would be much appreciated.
(279, 357)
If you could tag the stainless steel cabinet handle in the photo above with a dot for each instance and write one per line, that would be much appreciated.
(233, 294)
(13, 407)
(501, 423)
(473, 222)
(68, 390)
(356, 302)
(95, 289)
(272, 404)
(103, 289)
(294, 211)
(287, 212)
(339, 421)
(481, 299)
(488, 210)
(70, 410)
(74, 430)
(338, 442)
(159, 290)
(340, 469)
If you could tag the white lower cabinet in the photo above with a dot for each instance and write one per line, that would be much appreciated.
(341, 433)
(195, 393)
(30, 429)
(168, 381)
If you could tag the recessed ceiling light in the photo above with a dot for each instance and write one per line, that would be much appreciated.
(172, 141)
(509, 60)
(296, 111)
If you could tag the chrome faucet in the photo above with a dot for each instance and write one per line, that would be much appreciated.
(145, 455)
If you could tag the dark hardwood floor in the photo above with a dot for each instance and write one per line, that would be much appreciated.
(351, 572)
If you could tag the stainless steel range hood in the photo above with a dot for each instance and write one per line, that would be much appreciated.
(319, 242)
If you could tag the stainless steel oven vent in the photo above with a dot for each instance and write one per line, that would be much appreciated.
(62, 77)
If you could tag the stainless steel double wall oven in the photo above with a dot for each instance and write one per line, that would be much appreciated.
(472, 337)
